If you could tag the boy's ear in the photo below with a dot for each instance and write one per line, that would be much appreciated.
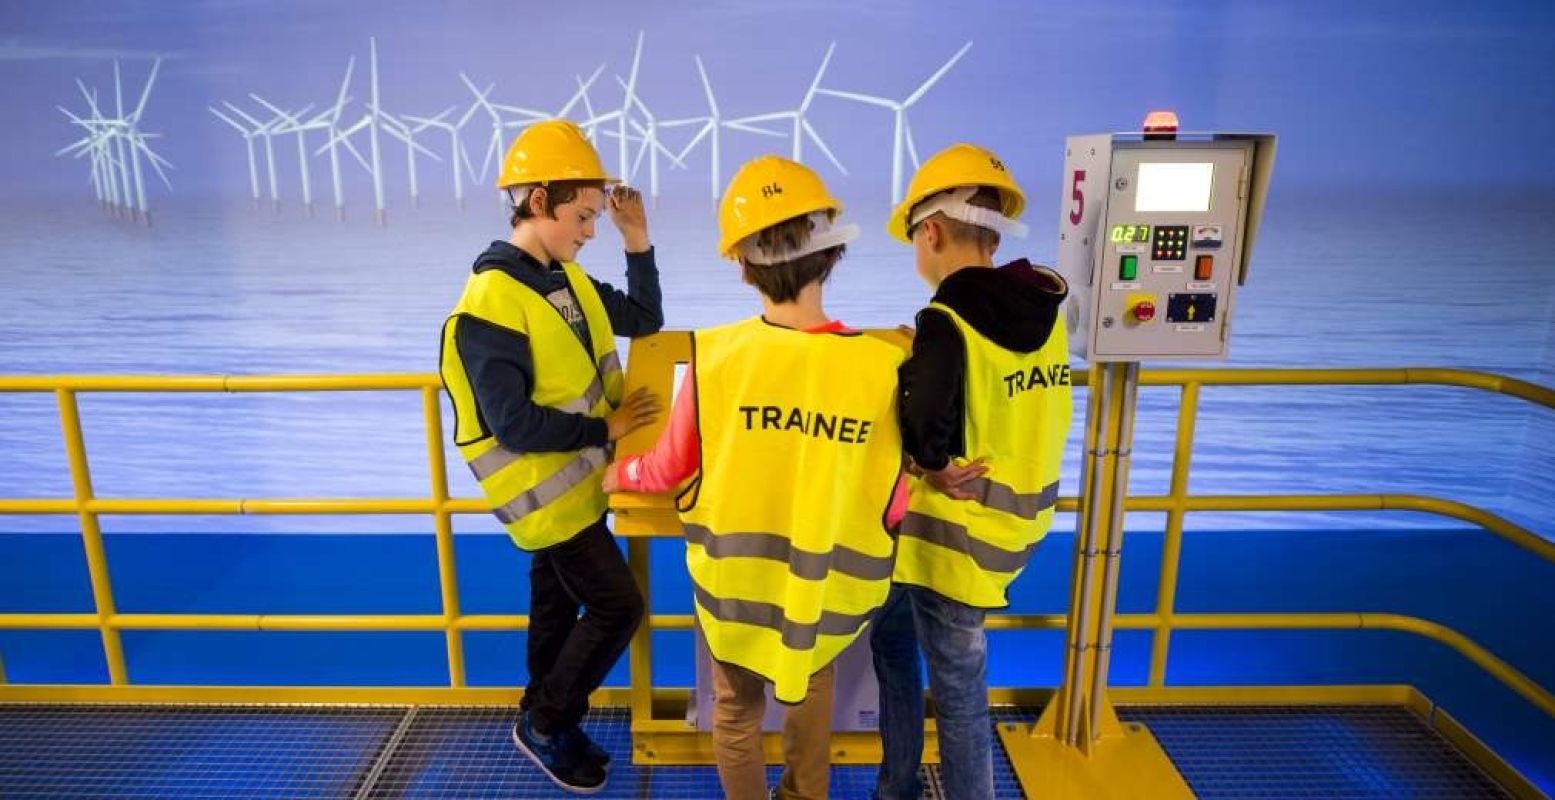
(933, 233)
(536, 200)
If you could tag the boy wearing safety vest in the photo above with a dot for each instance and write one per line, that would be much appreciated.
(529, 360)
(985, 411)
(786, 428)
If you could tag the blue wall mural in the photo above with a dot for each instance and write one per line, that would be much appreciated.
(1405, 226)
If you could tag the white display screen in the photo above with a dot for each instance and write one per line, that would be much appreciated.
(1174, 187)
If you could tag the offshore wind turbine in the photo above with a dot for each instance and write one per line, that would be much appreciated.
(457, 154)
(115, 146)
(802, 128)
(650, 147)
(263, 131)
(293, 123)
(903, 131)
(248, 141)
(711, 126)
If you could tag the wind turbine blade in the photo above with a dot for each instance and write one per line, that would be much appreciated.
(156, 162)
(933, 79)
(228, 120)
(345, 85)
(707, 87)
(271, 107)
(816, 84)
(118, 91)
(695, 140)
(474, 107)
(860, 98)
(681, 123)
(673, 158)
(638, 161)
(912, 148)
(588, 105)
(91, 100)
(816, 138)
(753, 129)
(763, 118)
(258, 126)
(637, 56)
(583, 88)
(480, 96)
(357, 154)
(145, 93)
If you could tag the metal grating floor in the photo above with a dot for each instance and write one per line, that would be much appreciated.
(51, 751)
(1332, 752)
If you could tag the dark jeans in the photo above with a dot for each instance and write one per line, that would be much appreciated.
(570, 655)
(951, 636)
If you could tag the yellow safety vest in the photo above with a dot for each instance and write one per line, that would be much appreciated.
(542, 499)
(786, 539)
(1018, 409)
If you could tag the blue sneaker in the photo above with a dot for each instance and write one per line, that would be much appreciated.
(564, 763)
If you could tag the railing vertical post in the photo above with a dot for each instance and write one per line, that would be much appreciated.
(91, 535)
(641, 658)
(447, 574)
(1171, 552)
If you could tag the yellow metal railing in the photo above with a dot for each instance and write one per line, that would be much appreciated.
(1163, 622)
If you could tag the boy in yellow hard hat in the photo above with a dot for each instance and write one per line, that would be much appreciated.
(985, 412)
(785, 426)
(529, 361)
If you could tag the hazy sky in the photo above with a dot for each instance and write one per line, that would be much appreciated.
(1411, 93)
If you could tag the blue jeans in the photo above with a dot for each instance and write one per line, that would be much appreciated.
(951, 636)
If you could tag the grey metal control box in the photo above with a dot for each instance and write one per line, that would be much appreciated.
(1155, 235)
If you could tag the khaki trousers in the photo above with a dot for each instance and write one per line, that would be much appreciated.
(741, 702)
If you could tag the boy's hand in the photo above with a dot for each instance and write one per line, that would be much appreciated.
(950, 479)
(626, 211)
(638, 409)
(611, 484)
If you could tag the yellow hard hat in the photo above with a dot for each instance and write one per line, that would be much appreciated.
(763, 193)
(958, 165)
(552, 150)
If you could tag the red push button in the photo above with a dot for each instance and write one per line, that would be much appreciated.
(1144, 311)
(1204, 268)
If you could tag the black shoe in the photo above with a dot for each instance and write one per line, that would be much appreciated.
(597, 754)
(566, 766)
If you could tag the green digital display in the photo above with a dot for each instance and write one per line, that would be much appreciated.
(1129, 234)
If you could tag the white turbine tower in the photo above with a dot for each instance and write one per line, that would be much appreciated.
(801, 126)
(711, 126)
(903, 131)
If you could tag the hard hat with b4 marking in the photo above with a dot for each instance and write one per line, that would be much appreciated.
(765, 192)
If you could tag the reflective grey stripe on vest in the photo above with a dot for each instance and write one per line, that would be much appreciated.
(610, 363)
(575, 472)
(955, 537)
(796, 635)
(492, 461)
(801, 563)
(996, 495)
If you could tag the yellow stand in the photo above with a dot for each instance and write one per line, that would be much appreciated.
(1079, 748)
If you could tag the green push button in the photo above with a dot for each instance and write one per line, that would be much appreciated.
(1128, 268)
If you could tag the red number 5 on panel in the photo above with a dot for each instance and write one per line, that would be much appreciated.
(1078, 212)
